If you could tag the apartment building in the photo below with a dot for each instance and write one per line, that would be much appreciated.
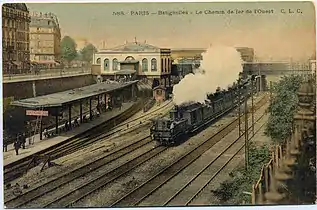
(45, 38)
(15, 38)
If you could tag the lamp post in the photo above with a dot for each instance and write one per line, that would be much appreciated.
(239, 102)
(246, 133)
(252, 106)
(239, 105)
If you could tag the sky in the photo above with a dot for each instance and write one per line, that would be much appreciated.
(276, 34)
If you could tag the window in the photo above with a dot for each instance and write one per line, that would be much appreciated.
(153, 64)
(169, 64)
(115, 64)
(106, 64)
(144, 65)
(159, 92)
(98, 60)
(165, 65)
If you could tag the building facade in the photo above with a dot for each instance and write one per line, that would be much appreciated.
(136, 59)
(15, 38)
(247, 54)
(45, 39)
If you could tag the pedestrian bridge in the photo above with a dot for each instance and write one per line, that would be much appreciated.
(277, 68)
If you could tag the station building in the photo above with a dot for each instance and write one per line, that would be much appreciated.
(136, 60)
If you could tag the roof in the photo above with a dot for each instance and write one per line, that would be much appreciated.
(133, 47)
(61, 98)
(18, 6)
(48, 22)
(159, 87)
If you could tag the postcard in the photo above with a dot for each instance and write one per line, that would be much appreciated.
(158, 104)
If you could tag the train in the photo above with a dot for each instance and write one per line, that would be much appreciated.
(187, 119)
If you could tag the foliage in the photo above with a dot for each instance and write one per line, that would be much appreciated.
(6, 103)
(242, 180)
(282, 108)
(87, 53)
(68, 49)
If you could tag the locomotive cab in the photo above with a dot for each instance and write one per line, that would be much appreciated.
(166, 131)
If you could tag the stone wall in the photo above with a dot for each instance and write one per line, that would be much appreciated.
(26, 89)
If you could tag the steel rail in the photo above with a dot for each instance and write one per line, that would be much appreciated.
(76, 173)
(136, 195)
(219, 170)
(78, 197)
(238, 140)
(14, 171)
(85, 189)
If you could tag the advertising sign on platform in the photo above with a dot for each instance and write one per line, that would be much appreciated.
(36, 113)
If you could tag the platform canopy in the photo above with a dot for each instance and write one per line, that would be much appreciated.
(71, 96)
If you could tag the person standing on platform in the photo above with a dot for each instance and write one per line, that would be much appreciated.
(5, 145)
(23, 140)
(16, 147)
(66, 126)
(19, 139)
(98, 107)
(76, 124)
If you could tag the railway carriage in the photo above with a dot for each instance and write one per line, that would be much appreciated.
(187, 119)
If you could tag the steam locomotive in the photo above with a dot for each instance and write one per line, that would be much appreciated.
(187, 119)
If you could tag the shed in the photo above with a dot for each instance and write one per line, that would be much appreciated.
(159, 93)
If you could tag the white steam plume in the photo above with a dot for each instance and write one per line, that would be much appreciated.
(220, 67)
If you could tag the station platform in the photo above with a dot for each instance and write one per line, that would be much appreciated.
(38, 145)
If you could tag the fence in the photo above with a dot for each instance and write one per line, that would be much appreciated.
(265, 182)
(43, 73)
(275, 174)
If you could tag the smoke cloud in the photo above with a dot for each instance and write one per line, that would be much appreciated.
(220, 67)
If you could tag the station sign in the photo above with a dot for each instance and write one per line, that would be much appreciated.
(36, 113)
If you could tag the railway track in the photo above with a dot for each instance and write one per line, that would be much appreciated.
(77, 173)
(18, 168)
(68, 198)
(183, 198)
(83, 191)
(135, 196)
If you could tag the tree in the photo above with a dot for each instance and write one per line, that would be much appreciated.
(231, 191)
(87, 53)
(282, 108)
(68, 49)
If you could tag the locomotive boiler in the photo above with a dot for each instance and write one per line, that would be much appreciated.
(187, 119)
